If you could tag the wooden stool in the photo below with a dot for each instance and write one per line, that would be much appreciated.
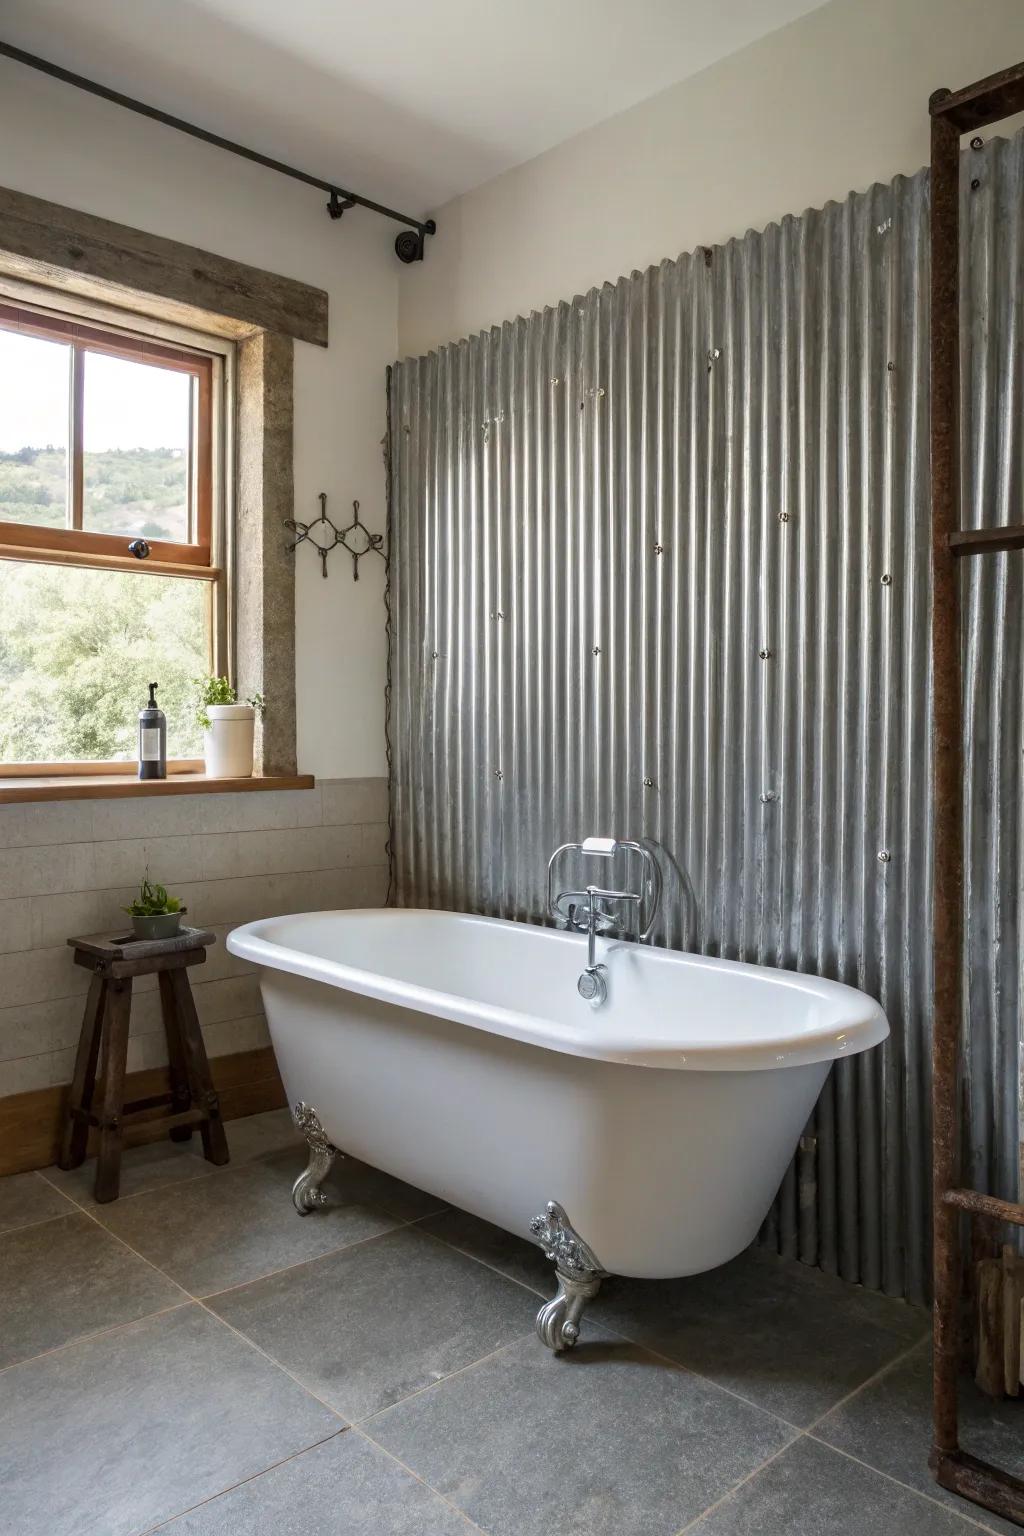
(115, 961)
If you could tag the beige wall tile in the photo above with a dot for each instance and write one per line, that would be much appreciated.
(167, 816)
(347, 801)
(38, 871)
(37, 975)
(261, 811)
(236, 1035)
(125, 861)
(15, 925)
(32, 1072)
(33, 1029)
(53, 822)
(57, 918)
(233, 998)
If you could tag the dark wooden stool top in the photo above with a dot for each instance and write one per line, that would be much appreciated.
(115, 959)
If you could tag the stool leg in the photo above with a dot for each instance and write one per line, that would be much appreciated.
(74, 1139)
(181, 1092)
(215, 1143)
(115, 1053)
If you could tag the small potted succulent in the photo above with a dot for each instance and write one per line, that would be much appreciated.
(154, 914)
(228, 728)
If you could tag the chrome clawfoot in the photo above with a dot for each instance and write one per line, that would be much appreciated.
(306, 1192)
(578, 1272)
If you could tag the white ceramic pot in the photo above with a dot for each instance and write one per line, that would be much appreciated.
(227, 745)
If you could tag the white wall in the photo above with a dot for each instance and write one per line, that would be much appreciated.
(826, 106)
(57, 143)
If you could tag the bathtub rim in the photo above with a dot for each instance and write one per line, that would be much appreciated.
(859, 1023)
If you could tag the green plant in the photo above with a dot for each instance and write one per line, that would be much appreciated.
(217, 690)
(153, 901)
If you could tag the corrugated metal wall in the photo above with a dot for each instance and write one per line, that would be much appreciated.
(659, 567)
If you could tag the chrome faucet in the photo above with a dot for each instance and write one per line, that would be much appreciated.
(587, 911)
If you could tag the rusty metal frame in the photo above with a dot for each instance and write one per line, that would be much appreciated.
(954, 113)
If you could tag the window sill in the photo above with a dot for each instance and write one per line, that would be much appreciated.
(109, 786)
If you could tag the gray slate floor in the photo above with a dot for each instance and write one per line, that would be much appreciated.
(197, 1359)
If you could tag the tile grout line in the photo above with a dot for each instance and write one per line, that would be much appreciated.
(344, 1423)
(929, 1498)
(221, 1492)
(450, 1376)
(883, 1370)
(97, 1333)
(421, 1480)
(692, 1525)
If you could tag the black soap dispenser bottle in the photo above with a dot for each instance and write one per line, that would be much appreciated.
(152, 739)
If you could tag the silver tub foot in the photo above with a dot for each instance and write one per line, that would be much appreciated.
(578, 1272)
(306, 1192)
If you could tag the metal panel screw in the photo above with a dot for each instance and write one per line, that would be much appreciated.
(659, 549)
(768, 797)
(890, 367)
(597, 650)
(977, 142)
(783, 517)
(497, 614)
(975, 183)
(498, 773)
(648, 783)
(434, 655)
(884, 856)
(553, 382)
(714, 353)
(765, 655)
(887, 580)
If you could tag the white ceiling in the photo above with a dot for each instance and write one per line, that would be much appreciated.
(409, 102)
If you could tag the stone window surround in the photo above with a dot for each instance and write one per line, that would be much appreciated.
(46, 249)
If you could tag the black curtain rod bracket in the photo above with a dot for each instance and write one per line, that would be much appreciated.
(409, 243)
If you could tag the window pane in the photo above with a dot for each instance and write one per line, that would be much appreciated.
(34, 415)
(136, 438)
(77, 648)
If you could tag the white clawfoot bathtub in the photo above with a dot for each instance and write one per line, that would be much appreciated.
(455, 1053)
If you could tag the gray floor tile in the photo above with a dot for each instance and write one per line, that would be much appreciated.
(261, 1135)
(513, 1256)
(605, 1441)
(888, 1425)
(344, 1487)
(154, 1166)
(351, 1179)
(63, 1279)
(811, 1491)
(213, 1233)
(26, 1198)
(367, 1326)
(785, 1336)
(123, 1431)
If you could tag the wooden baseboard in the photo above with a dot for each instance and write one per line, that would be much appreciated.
(30, 1123)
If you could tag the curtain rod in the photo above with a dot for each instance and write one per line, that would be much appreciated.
(409, 245)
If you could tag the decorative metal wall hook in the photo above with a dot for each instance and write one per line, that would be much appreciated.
(325, 535)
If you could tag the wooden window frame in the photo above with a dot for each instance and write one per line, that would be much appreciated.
(77, 545)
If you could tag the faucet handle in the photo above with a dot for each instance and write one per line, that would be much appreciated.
(605, 846)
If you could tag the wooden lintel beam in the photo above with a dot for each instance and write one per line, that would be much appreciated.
(46, 242)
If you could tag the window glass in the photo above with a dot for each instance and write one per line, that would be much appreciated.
(77, 649)
(34, 426)
(136, 440)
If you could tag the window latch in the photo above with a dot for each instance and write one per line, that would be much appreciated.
(139, 548)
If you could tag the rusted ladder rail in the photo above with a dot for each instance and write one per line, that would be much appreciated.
(954, 113)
